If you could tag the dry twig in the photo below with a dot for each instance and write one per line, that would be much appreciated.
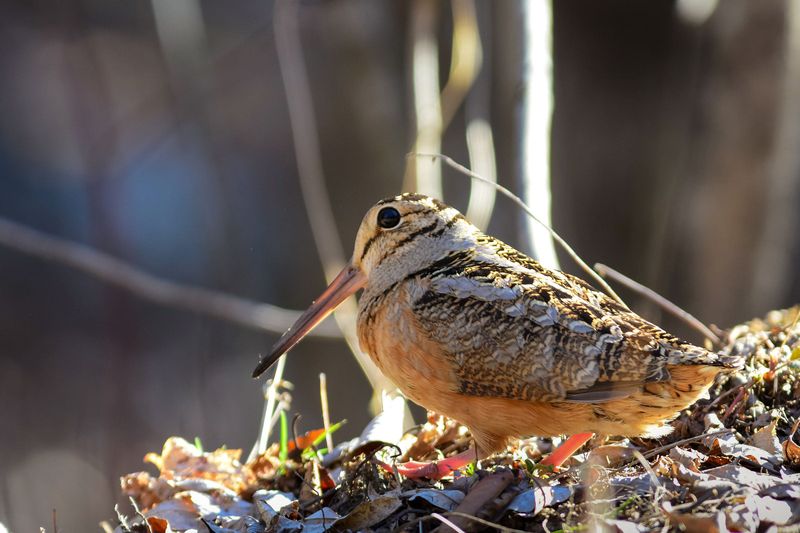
(269, 417)
(427, 100)
(516, 199)
(667, 447)
(326, 415)
(289, 47)
(222, 306)
(673, 309)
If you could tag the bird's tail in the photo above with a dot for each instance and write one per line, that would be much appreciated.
(731, 361)
(694, 355)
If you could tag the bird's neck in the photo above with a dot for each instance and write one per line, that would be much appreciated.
(409, 262)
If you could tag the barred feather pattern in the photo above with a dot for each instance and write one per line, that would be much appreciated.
(494, 323)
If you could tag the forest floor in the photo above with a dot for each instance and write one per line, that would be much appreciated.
(731, 464)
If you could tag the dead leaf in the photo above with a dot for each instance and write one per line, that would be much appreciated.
(145, 489)
(311, 489)
(305, 440)
(610, 455)
(691, 459)
(437, 432)
(240, 524)
(742, 476)
(180, 512)
(532, 501)
(767, 439)
(700, 524)
(387, 428)
(158, 525)
(791, 450)
(369, 513)
(447, 500)
(214, 528)
(770, 510)
(179, 459)
(270, 502)
(321, 521)
(484, 491)
(624, 526)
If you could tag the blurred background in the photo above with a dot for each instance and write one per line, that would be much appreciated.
(160, 133)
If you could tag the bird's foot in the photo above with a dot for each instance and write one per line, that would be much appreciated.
(566, 450)
(433, 469)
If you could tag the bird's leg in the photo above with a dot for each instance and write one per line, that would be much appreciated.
(565, 451)
(434, 469)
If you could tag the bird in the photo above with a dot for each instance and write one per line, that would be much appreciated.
(469, 327)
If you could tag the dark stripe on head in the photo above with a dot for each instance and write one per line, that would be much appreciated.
(380, 232)
(448, 265)
(449, 224)
(369, 243)
(415, 197)
(421, 231)
(410, 237)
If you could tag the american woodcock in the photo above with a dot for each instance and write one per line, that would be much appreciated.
(469, 327)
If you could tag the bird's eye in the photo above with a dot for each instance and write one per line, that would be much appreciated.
(388, 217)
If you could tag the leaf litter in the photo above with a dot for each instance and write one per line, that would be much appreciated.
(732, 463)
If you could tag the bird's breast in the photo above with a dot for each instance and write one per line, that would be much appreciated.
(391, 334)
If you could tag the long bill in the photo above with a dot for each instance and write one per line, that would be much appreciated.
(347, 282)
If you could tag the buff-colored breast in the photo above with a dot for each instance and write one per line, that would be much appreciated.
(390, 333)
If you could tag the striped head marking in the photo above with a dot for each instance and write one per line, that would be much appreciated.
(398, 236)
(403, 234)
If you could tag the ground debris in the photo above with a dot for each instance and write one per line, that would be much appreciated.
(732, 464)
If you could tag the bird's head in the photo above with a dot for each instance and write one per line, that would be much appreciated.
(400, 235)
(397, 237)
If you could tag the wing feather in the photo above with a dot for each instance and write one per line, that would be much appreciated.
(514, 329)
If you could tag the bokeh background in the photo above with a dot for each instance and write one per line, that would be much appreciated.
(159, 133)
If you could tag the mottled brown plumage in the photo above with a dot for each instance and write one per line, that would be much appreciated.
(469, 327)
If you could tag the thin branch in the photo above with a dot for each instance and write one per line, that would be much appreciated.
(480, 145)
(466, 57)
(305, 136)
(326, 415)
(774, 257)
(649, 469)
(487, 523)
(666, 305)
(427, 99)
(427, 518)
(480, 142)
(536, 124)
(447, 522)
(516, 199)
(261, 316)
(662, 449)
(267, 415)
(289, 48)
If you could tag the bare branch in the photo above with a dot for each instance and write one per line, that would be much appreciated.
(466, 58)
(240, 311)
(449, 161)
(305, 134)
(426, 179)
(659, 300)
(537, 103)
(480, 141)
(774, 257)
(268, 415)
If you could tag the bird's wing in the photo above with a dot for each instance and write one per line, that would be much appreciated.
(529, 333)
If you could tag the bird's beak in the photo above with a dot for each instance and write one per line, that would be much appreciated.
(349, 280)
